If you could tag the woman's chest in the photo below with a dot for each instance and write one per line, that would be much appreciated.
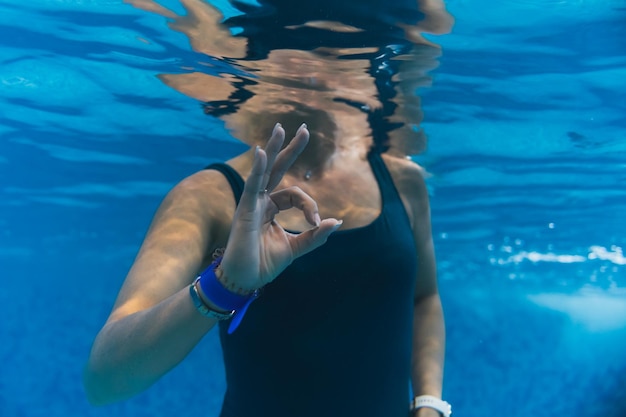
(354, 198)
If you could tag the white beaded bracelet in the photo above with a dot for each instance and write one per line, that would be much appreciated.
(431, 402)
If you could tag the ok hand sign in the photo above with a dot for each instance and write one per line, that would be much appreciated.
(258, 248)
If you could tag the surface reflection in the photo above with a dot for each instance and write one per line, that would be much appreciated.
(348, 70)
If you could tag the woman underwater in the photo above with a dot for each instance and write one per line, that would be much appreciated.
(330, 309)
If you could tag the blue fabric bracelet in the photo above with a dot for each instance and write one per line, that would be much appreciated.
(223, 297)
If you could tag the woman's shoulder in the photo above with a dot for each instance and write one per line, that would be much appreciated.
(205, 194)
(405, 172)
(410, 181)
(201, 185)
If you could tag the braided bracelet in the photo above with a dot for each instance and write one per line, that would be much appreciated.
(234, 305)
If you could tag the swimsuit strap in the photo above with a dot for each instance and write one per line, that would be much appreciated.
(233, 178)
(387, 187)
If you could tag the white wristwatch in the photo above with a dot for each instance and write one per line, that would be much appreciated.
(431, 402)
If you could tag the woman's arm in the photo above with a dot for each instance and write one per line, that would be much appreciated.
(154, 323)
(428, 321)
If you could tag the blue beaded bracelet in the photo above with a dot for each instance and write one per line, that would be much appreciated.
(223, 298)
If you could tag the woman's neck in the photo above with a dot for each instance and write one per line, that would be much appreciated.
(340, 137)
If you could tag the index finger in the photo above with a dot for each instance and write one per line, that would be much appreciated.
(295, 197)
(288, 156)
(253, 185)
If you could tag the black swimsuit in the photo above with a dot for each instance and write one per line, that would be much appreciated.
(331, 336)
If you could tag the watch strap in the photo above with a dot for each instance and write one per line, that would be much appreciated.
(433, 402)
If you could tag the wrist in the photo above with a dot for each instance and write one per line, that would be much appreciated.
(426, 412)
(207, 301)
(429, 405)
(204, 308)
(220, 296)
(222, 278)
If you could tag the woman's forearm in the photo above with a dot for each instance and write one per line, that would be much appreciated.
(133, 352)
(428, 346)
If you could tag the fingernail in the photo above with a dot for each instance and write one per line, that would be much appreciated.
(337, 226)
(318, 219)
(302, 126)
(277, 126)
(256, 151)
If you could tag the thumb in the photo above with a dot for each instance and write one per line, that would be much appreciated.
(311, 239)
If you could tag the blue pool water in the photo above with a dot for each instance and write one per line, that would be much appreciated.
(527, 151)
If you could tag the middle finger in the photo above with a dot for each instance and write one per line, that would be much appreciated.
(288, 156)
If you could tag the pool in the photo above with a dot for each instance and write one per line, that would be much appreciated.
(527, 160)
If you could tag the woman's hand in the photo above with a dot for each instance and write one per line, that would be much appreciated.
(258, 247)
